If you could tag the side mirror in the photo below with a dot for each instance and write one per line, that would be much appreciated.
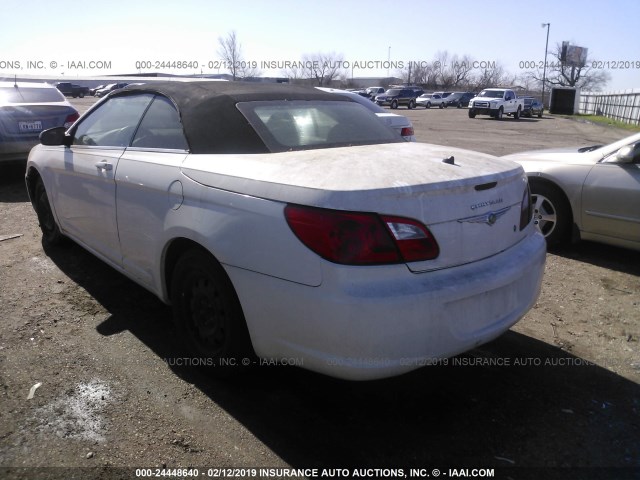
(54, 137)
(626, 155)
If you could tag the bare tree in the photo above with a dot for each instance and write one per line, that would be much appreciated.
(564, 75)
(452, 70)
(445, 71)
(324, 68)
(421, 73)
(493, 75)
(230, 51)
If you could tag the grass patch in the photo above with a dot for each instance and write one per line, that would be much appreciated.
(600, 120)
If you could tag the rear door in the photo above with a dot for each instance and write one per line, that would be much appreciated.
(85, 182)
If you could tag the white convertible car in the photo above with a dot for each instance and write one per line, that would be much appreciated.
(283, 222)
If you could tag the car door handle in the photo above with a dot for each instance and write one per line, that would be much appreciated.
(103, 165)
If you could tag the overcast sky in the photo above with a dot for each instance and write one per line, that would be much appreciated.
(63, 39)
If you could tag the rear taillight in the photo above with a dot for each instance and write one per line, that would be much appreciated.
(71, 119)
(413, 239)
(358, 238)
(407, 132)
(526, 211)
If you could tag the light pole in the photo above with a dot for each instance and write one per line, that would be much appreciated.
(544, 67)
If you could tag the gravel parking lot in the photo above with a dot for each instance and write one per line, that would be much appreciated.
(558, 395)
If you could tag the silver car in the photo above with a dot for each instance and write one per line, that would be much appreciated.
(590, 193)
(428, 100)
(26, 109)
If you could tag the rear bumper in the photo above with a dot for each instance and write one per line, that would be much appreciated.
(373, 322)
(16, 150)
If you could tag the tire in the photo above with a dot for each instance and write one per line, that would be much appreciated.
(472, 113)
(81, 95)
(459, 105)
(394, 104)
(499, 114)
(427, 105)
(540, 114)
(551, 213)
(516, 116)
(411, 105)
(51, 235)
(441, 105)
(208, 315)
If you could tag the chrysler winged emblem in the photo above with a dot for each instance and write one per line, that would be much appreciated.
(489, 218)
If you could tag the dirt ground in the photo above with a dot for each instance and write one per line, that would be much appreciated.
(558, 396)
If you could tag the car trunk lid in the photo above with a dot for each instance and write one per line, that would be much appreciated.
(470, 201)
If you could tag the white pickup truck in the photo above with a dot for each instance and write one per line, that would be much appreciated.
(496, 102)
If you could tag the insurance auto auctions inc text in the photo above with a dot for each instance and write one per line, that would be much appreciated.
(370, 64)
(374, 473)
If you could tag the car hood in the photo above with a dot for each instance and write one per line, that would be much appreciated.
(405, 179)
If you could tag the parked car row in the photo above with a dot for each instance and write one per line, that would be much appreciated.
(413, 97)
(73, 90)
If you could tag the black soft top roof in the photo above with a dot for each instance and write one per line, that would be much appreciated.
(211, 121)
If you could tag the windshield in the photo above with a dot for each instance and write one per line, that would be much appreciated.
(29, 95)
(491, 93)
(303, 125)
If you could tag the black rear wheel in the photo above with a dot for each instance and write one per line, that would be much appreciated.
(208, 315)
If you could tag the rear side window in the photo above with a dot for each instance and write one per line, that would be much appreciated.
(113, 123)
(29, 95)
(160, 127)
(301, 125)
